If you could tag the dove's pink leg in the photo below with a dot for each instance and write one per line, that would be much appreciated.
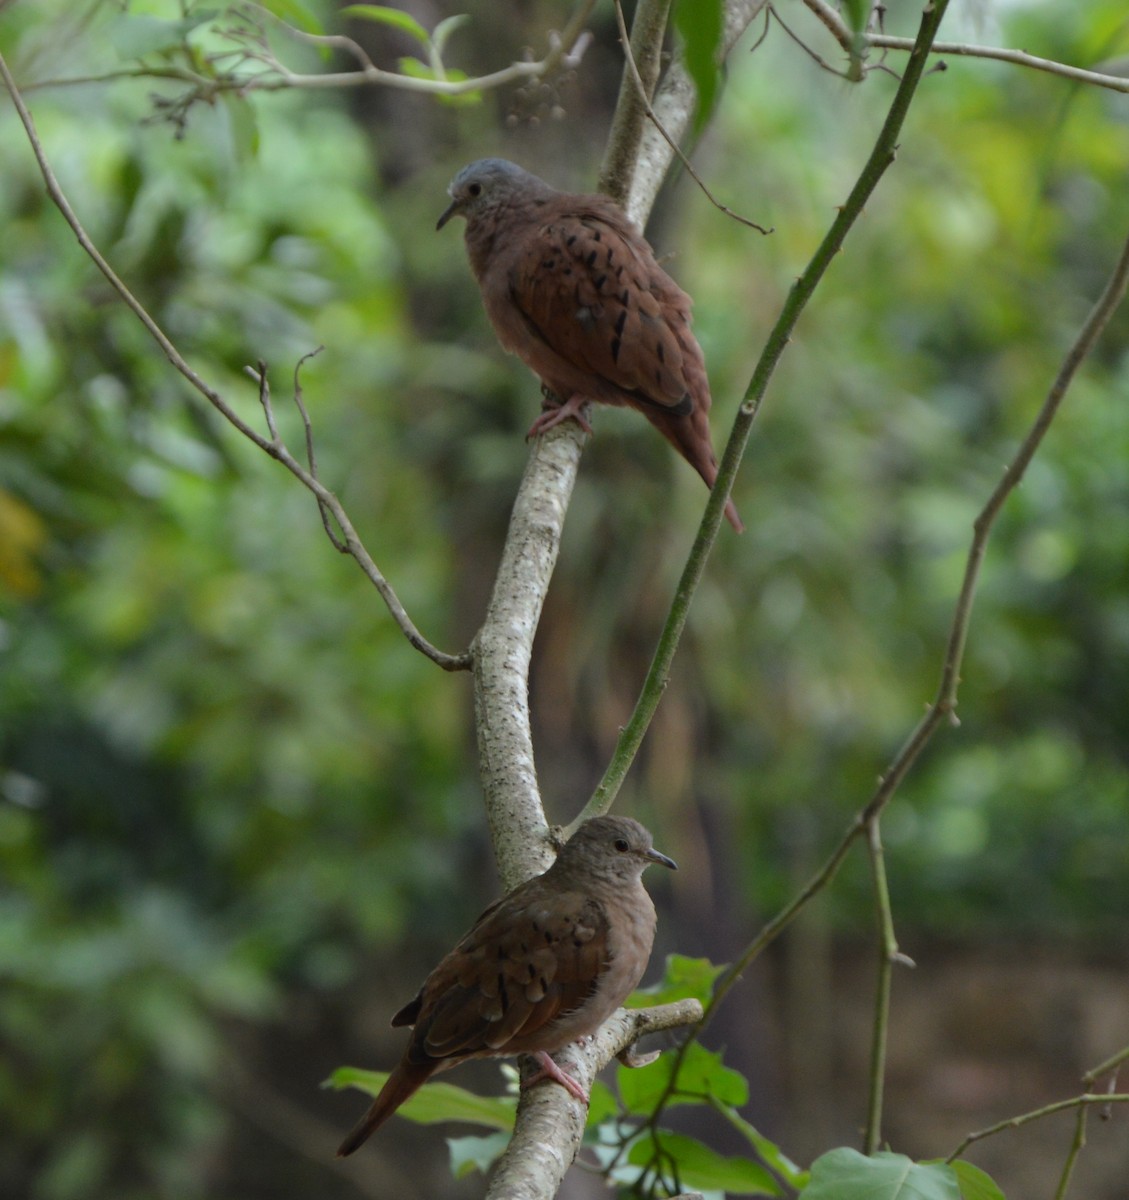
(550, 1070)
(573, 407)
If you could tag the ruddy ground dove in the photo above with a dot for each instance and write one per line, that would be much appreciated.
(543, 966)
(575, 292)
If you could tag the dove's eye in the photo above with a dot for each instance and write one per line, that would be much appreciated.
(475, 189)
(621, 845)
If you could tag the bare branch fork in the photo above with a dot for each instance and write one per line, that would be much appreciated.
(1019, 58)
(348, 540)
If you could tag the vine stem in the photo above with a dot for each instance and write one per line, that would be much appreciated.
(945, 701)
(658, 674)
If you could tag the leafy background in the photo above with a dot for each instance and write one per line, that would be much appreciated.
(239, 816)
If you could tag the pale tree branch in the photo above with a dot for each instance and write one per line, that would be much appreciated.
(348, 540)
(1019, 58)
(642, 51)
(270, 74)
(550, 1123)
(503, 646)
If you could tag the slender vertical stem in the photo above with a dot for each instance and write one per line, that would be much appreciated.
(887, 956)
(1076, 1147)
(631, 736)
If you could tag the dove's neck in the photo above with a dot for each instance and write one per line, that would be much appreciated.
(501, 227)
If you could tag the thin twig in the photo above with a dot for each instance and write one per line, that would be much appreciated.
(1048, 1110)
(1110, 1064)
(945, 702)
(311, 456)
(259, 373)
(1020, 58)
(273, 445)
(818, 59)
(645, 100)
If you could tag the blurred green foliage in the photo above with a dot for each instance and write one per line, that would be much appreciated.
(229, 790)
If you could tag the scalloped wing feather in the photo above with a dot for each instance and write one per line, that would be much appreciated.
(590, 288)
(520, 968)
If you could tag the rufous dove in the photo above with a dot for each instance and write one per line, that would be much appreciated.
(543, 966)
(573, 289)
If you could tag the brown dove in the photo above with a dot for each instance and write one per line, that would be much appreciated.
(543, 966)
(575, 292)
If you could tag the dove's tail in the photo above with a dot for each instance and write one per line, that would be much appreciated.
(404, 1082)
(690, 436)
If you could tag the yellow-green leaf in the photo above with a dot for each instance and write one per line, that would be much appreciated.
(434, 1102)
(383, 15)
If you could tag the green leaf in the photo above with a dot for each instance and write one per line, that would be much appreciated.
(136, 36)
(684, 979)
(244, 126)
(700, 1167)
(470, 1154)
(845, 1174)
(388, 16)
(767, 1151)
(416, 69)
(974, 1183)
(295, 13)
(434, 1102)
(701, 1078)
(699, 23)
(601, 1103)
(857, 13)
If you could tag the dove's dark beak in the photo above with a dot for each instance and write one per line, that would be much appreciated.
(656, 857)
(448, 213)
